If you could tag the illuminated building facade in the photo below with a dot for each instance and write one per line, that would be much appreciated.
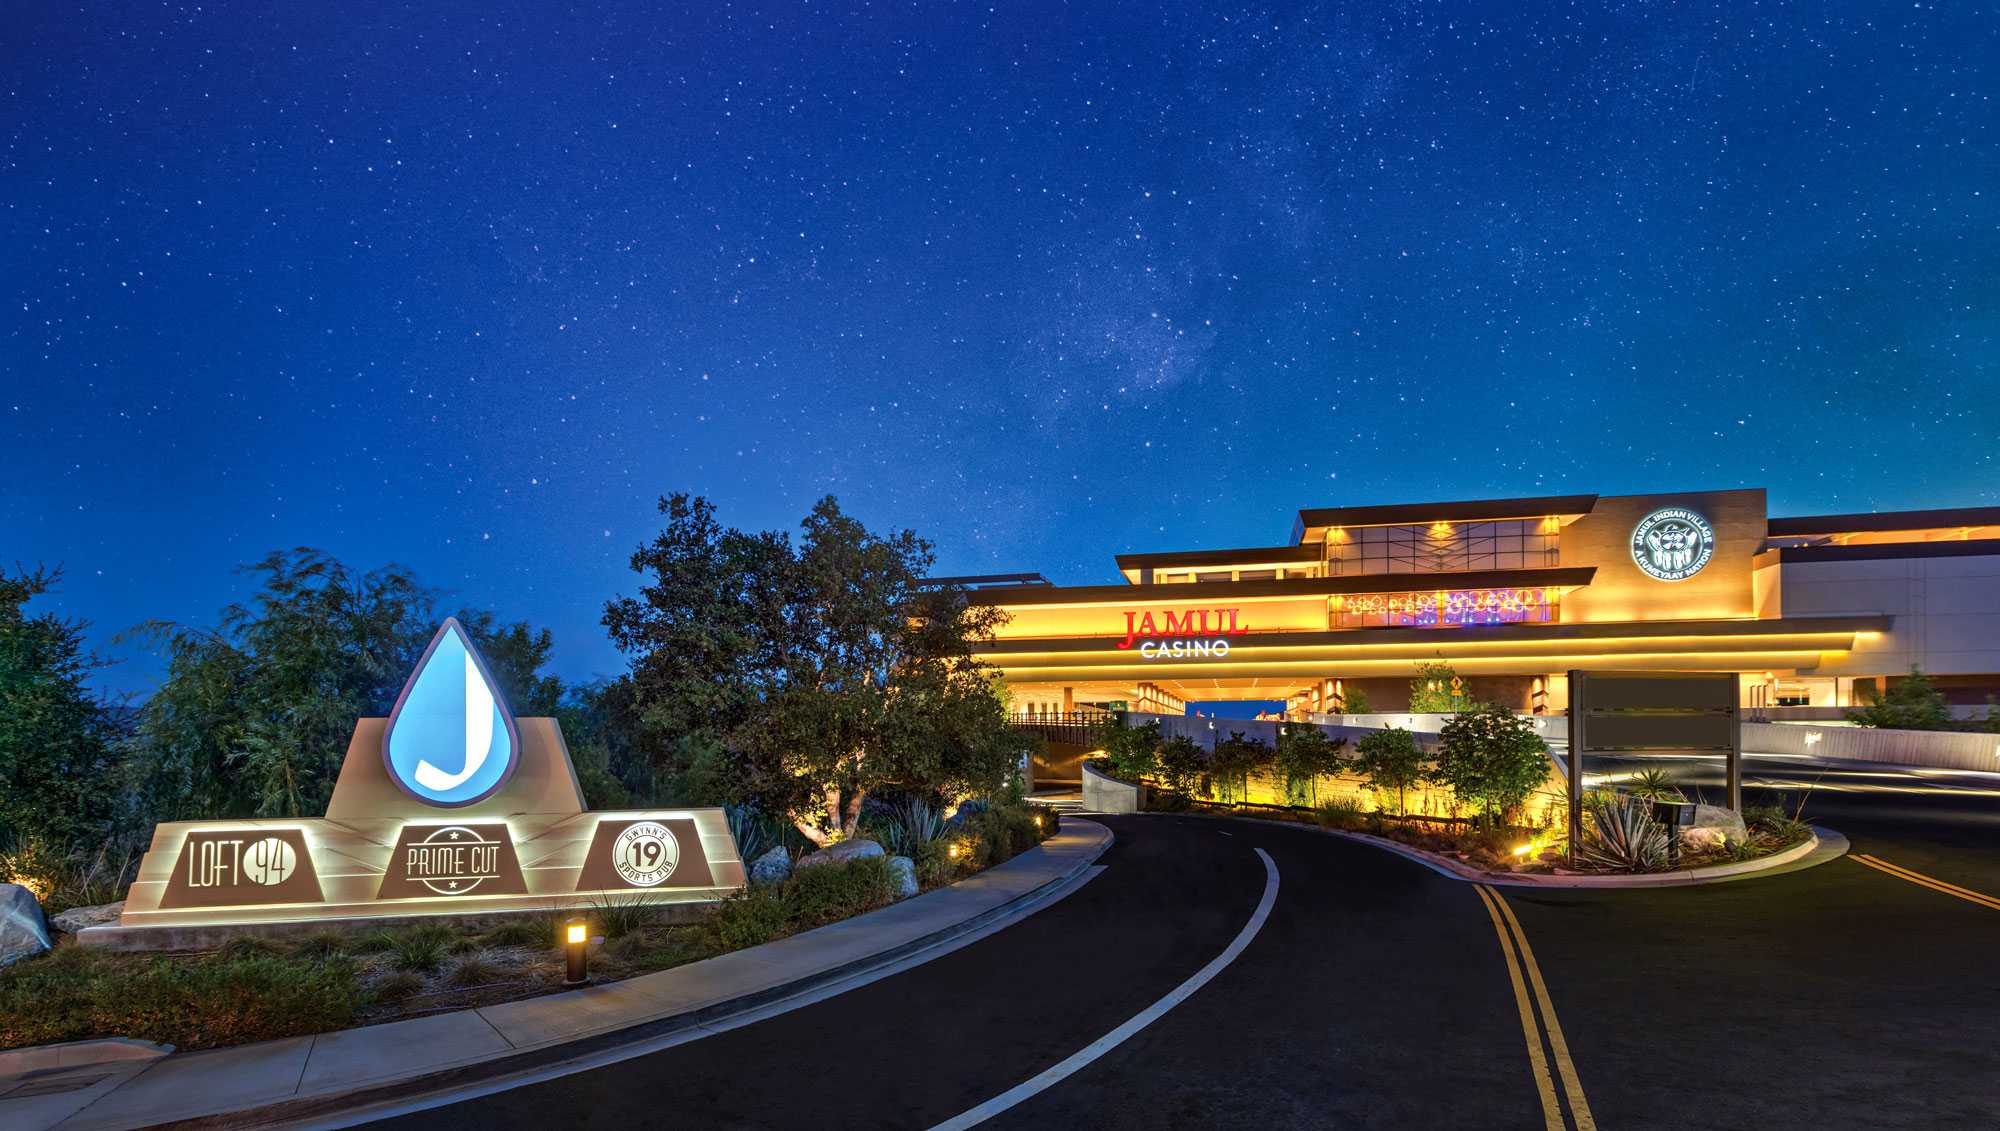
(1816, 612)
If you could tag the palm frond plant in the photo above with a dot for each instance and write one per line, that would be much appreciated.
(1620, 835)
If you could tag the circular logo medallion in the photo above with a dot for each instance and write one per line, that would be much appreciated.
(1672, 544)
(269, 862)
(645, 854)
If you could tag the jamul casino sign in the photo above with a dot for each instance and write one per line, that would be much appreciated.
(450, 805)
(1182, 633)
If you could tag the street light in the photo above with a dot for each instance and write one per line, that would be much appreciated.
(576, 941)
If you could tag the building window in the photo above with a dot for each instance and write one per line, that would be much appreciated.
(1444, 547)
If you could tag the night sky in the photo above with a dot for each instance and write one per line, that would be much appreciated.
(469, 286)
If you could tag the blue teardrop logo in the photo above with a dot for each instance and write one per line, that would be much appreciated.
(451, 740)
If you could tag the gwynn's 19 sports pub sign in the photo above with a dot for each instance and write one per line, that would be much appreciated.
(451, 805)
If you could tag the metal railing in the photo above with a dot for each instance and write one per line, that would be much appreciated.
(1065, 726)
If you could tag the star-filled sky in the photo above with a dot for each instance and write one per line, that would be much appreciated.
(469, 286)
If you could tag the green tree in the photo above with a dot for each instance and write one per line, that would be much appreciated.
(1183, 763)
(58, 741)
(1490, 758)
(819, 670)
(1911, 703)
(1304, 755)
(1439, 690)
(1391, 762)
(1353, 701)
(1234, 760)
(1130, 752)
(256, 714)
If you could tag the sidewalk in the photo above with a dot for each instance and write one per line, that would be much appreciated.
(322, 1074)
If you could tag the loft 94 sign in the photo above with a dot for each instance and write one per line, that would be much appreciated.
(1672, 544)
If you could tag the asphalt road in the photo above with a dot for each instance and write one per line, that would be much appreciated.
(1379, 994)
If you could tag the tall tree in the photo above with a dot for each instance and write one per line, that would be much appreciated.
(817, 672)
(256, 713)
(58, 741)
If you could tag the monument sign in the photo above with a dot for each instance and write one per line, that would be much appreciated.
(449, 806)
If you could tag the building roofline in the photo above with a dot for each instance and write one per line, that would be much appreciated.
(1887, 551)
(1880, 521)
(1565, 577)
(1291, 553)
(1462, 510)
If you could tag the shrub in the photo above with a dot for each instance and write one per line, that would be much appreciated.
(1619, 833)
(1354, 701)
(397, 985)
(320, 946)
(1182, 763)
(375, 942)
(62, 879)
(1003, 832)
(1130, 753)
(1340, 813)
(751, 917)
(420, 948)
(192, 1003)
(248, 946)
(1491, 758)
(1912, 703)
(520, 932)
(618, 916)
(475, 970)
(815, 896)
(1391, 761)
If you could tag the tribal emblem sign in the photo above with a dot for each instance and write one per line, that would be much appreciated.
(1672, 544)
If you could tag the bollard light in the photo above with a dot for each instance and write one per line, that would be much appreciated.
(576, 942)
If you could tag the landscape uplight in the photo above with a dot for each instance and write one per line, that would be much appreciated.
(576, 942)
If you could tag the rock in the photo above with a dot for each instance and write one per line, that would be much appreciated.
(857, 849)
(1713, 827)
(771, 868)
(77, 918)
(903, 870)
(22, 931)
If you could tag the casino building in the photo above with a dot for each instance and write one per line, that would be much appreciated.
(1819, 611)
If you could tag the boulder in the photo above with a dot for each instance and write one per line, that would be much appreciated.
(22, 931)
(860, 848)
(77, 918)
(903, 871)
(771, 868)
(1713, 827)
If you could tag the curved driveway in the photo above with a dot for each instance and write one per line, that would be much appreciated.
(1378, 994)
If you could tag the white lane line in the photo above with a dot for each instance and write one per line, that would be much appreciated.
(388, 1109)
(1055, 1074)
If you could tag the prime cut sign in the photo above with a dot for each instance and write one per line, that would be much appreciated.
(1179, 634)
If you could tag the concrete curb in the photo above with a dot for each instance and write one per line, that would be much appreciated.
(279, 1081)
(1826, 843)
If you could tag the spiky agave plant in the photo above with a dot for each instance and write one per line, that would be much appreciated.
(913, 825)
(1652, 785)
(1621, 835)
(753, 832)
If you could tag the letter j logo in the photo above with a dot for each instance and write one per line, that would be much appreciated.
(451, 740)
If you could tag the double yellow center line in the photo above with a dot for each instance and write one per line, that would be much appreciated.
(1931, 882)
(1521, 957)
